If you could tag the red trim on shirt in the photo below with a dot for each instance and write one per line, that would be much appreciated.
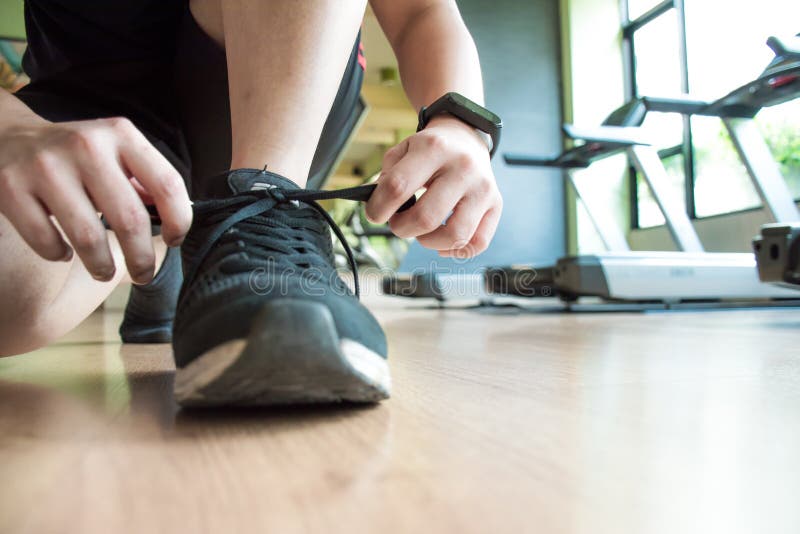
(362, 60)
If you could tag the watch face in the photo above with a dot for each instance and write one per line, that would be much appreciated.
(474, 108)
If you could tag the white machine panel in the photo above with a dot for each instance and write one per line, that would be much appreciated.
(684, 276)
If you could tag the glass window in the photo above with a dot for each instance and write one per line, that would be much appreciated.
(658, 62)
(726, 40)
(649, 213)
(780, 126)
(665, 131)
(721, 181)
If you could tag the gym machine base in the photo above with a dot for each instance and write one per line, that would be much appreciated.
(777, 251)
(669, 277)
(439, 286)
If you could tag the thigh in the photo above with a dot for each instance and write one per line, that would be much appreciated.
(43, 300)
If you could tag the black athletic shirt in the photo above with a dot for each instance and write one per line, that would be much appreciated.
(149, 61)
(67, 34)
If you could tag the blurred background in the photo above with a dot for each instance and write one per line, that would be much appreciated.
(547, 62)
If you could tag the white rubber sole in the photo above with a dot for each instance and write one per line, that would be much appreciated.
(276, 365)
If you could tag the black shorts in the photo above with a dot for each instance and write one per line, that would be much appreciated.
(179, 102)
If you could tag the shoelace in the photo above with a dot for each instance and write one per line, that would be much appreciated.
(255, 203)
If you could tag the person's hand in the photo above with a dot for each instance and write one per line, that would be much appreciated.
(74, 170)
(450, 160)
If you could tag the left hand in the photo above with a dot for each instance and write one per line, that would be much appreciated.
(451, 162)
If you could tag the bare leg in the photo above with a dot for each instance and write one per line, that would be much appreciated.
(285, 62)
(47, 299)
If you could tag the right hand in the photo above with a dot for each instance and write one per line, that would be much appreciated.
(72, 171)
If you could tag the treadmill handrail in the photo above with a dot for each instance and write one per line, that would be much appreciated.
(626, 135)
(600, 142)
(526, 160)
(683, 104)
(781, 47)
(736, 104)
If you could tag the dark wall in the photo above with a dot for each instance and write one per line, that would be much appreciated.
(518, 43)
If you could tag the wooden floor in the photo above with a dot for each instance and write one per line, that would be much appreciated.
(500, 422)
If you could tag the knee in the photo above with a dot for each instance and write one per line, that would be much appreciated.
(23, 333)
(17, 341)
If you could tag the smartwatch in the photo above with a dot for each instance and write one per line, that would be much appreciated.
(468, 112)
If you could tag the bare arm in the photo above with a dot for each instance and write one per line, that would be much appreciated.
(437, 55)
(435, 51)
(54, 179)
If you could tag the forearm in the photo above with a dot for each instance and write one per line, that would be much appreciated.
(436, 55)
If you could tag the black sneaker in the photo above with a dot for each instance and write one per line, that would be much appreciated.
(263, 318)
(151, 307)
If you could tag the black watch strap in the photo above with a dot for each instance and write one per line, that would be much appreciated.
(468, 112)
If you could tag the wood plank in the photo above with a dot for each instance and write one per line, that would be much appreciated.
(500, 422)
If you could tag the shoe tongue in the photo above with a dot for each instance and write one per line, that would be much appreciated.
(244, 180)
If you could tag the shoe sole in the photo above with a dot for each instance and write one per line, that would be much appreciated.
(159, 334)
(293, 355)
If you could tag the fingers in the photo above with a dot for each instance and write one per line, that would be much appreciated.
(481, 238)
(431, 209)
(32, 223)
(125, 213)
(74, 170)
(69, 204)
(470, 228)
(460, 227)
(412, 170)
(452, 162)
(152, 170)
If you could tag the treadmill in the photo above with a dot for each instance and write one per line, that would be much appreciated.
(777, 247)
(690, 275)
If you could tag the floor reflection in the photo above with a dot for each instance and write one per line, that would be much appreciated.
(126, 391)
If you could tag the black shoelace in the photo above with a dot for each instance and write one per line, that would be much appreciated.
(257, 203)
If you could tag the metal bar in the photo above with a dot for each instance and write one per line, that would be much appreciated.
(676, 150)
(683, 104)
(688, 168)
(629, 59)
(680, 226)
(629, 65)
(763, 169)
(688, 145)
(633, 196)
(602, 219)
(623, 11)
(648, 17)
(683, 54)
